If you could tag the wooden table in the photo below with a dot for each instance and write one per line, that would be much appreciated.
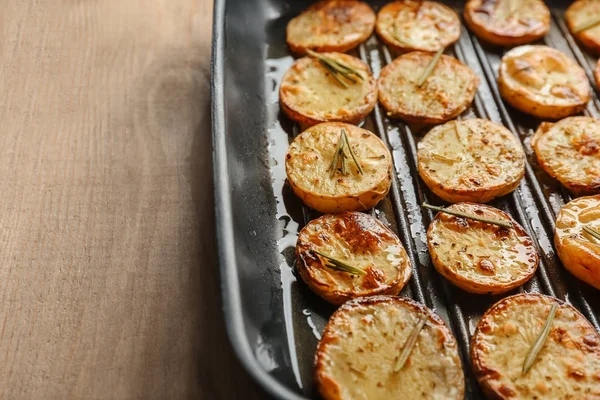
(108, 275)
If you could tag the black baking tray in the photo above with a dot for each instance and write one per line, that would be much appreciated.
(273, 320)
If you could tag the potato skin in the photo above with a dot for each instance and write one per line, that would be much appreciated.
(578, 251)
(367, 244)
(331, 25)
(511, 32)
(309, 95)
(446, 31)
(308, 159)
(402, 98)
(469, 265)
(570, 357)
(523, 72)
(573, 159)
(580, 12)
(499, 173)
(433, 370)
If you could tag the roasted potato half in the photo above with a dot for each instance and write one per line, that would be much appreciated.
(331, 25)
(309, 94)
(567, 366)
(470, 160)
(508, 22)
(480, 257)
(358, 353)
(569, 151)
(579, 15)
(543, 82)
(378, 262)
(417, 25)
(577, 248)
(447, 91)
(308, 165)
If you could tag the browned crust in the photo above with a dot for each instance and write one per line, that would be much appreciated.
(503, 37)
(590, 42)
(394, 8)
(336, 13)
(483, 373)
(597, 74)
(364, 233)
(575, 187)
(448, 114)
(329, 389)
(354, 117)
(459, 223)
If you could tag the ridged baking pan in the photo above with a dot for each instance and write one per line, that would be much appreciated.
(273, 320)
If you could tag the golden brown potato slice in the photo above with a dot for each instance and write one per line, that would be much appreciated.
(578, 249)
(470, 160)
(417, 25)
(331, 25)
(309, 93)
(480, 257)
(580, 14)
(508, 22)
(361, 344)
(360, 241)
(567, 367)
(446, 93)
(569, 151)
(543, 82)
(308, 163)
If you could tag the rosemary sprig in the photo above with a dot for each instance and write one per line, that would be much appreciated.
(337, 69)
(592, 232)
(587, 24)
(338, 265)
(410, 343)
(342, 152)
(534, 351)
(469, 216)
(430, 67)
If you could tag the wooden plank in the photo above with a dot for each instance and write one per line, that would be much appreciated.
(108, 275)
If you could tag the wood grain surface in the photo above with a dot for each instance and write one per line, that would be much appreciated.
(108, 275)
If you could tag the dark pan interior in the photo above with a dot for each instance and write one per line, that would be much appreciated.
(274, 321)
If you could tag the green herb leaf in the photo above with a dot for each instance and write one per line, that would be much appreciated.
(469, 216)
(338, 265)
(534, 351)
(410, 343)
(337, 69)
(430, 67)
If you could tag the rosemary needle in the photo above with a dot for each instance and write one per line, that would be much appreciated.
(337, 69)
(503, 224)
(587, 25)
(410, 343)
(592, 232)
(430, 67)
(338, 265)
(534, 351)
(343, 150)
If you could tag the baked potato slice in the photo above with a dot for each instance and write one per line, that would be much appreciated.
(578, 15)
(508, 22)
(331, 25)
(310, 94)
(579, 250)
(417, 25)
(379, 264)
(480, 257)
(308, 167)
(567, 367)
(470, 160)
(569, 151)
(446, 93)
(357, 355)
(543, 82)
